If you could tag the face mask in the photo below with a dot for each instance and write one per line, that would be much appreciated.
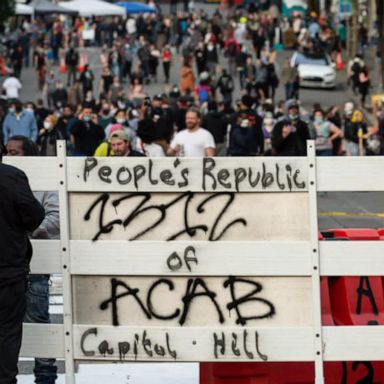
(87, 118)
(293, 117)
(318, 119)
(106, 111)
(268, 120)
(11, 110)
(120, 121)
(47, 125)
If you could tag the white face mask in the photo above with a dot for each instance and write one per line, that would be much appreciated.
(47, 125)
(120, 121)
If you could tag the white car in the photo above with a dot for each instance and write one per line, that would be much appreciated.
(315, 70)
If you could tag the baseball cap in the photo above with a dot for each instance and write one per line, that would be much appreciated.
(122, 135)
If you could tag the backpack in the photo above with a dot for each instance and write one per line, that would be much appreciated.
(203, 94)
(232, 50)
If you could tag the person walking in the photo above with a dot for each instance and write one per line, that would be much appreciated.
(21, 214)
(72, 62)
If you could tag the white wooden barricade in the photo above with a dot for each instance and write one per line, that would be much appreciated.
(190, 299)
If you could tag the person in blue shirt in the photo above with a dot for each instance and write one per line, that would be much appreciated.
(19, 122)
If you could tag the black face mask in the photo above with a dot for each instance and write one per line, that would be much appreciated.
(18, 109)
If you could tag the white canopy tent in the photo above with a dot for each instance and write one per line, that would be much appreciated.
(23, 9)
(89, 8)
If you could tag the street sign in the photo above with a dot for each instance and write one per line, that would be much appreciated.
(345, 8)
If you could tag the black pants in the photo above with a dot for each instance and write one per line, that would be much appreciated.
(12, 309)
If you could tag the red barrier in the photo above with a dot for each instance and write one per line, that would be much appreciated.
(344, 301)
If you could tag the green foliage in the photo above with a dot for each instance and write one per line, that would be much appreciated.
(7, 9)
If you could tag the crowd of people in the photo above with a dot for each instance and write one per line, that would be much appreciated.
(228, 78)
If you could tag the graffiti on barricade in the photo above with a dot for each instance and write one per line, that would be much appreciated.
(160, 211)
(272, 175)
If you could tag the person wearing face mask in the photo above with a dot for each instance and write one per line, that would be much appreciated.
(268, 124)
(120, 119)
(59, 96)
(46, 141)
(290, 133)
(324, 133)
(86, 133)
(212, 56)
(19, 122)
(87, 78)
(105, 118)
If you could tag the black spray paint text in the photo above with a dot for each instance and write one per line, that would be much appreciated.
(138, 345)
(213, 177)
(157, 213)
(122, 294)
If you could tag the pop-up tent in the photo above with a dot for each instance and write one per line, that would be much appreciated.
(88, 8)
(135, 7)
(45, 7)
(23, 9)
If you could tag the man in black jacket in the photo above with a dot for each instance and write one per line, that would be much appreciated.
(290, 133)
(20, 213)
(86, 133)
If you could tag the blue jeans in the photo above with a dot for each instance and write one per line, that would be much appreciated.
(37, 311)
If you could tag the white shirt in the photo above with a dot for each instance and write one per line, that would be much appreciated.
(130, 26)
(193, 144)
(12, 86)
(150, 150)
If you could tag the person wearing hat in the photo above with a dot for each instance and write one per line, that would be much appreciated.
(121, 145)
(105, 148)
(48, 136)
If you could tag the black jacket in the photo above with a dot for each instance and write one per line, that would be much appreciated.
(294, 144)
(87, 136)
(20, 213)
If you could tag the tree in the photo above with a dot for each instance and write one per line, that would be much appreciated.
(7, 9)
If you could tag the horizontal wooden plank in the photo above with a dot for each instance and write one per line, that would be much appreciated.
(350, 173)
(46, 257)
(189, 217)
(193, 344)
(250, 174)
(198, 258)
(352, 258)
(219, 302)
(43, 340)
(354, 343)
(41, 171)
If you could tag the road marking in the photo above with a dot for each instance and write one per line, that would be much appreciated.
(351, 214)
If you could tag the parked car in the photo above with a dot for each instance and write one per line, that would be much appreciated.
(316, 70)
